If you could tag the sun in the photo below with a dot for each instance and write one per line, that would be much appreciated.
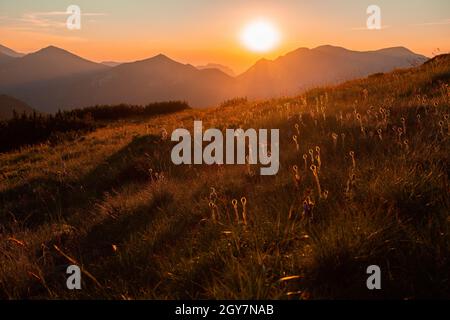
(260, 36)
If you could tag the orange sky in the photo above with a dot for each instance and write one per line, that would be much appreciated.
(201, 31)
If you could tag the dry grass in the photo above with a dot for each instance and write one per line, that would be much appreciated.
(144, 228)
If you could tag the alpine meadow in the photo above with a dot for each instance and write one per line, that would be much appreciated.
(363, 180)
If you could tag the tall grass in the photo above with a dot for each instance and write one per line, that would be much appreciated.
(353, 190)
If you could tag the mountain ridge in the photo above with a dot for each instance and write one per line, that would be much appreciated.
(305, 68)
(10, 52)
(45, 64)
(53, 78)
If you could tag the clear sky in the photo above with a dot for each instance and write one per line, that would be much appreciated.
(207, 31)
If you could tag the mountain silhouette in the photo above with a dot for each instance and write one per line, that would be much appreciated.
(46, 64)
(325, 65)
(10, 52)
(52, 78)
(224, 69)
(155, 79)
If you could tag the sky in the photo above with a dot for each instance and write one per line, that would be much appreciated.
(206, 31)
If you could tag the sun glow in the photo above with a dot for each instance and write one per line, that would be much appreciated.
(260, 36)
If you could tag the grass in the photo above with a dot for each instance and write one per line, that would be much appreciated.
(143, 228)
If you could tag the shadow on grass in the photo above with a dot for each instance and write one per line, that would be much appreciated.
(47, 198)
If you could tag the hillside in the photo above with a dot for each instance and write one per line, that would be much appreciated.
(10, 104)
(363, 180)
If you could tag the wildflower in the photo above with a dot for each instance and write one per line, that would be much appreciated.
(334, 136)
(441, 127)
(319, 162)
(294, 137)
(399, 135)
(350, 183)
(308, 206)
(305, 159)
(363, 131)
(402, 119)
(406, 143)
(213, 194)
(419, 123)
(352, 155)
(213, 207)
(311, 153)
(244, 209)
(297, 128)
(358, 116)
(296, 176)
(379, 131)
(322, 109)
(234, 203)
(316, 178)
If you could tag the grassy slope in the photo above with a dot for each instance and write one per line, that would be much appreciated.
(142, 227)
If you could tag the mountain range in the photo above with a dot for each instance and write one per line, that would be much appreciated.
(10, 104)
(53, 78)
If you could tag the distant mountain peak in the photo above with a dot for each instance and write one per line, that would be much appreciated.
(46, 64)
(10, 52)
(263, 61)
(162, 57)
(224, 69)
(55, 54)
(52, 49)
(329, 47)
(399, 49)
(159, 58)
